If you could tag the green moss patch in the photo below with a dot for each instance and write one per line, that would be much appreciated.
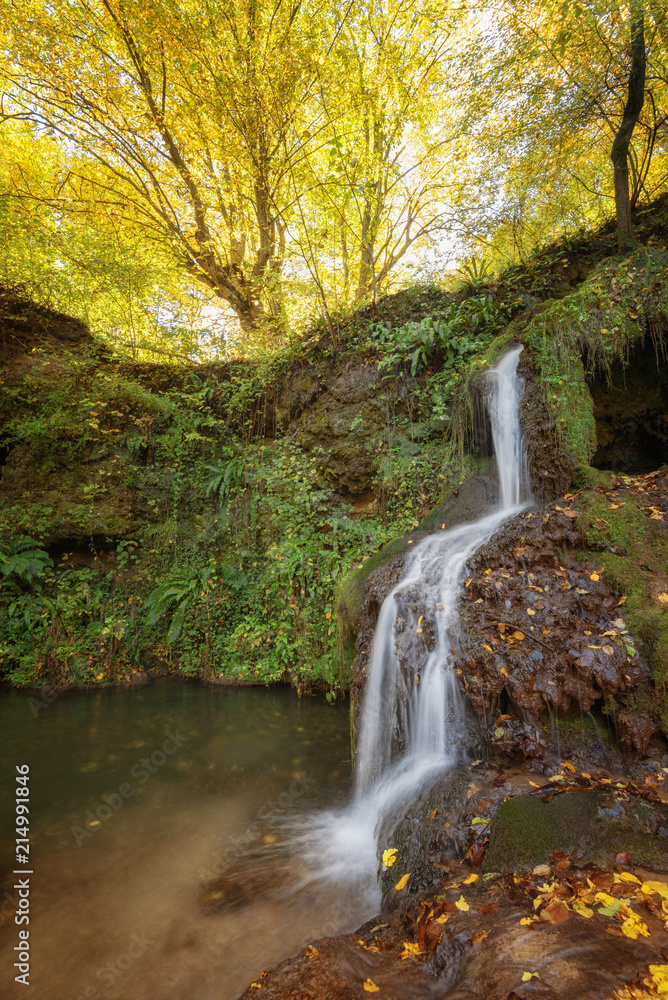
(632, 548)
(526, 831)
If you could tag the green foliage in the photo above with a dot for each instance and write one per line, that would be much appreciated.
(22, 561)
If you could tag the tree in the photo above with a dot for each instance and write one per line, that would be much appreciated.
(562, 73)
(188, 119)
(621, 144)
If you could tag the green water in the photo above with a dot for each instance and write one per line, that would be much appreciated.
(140, 800)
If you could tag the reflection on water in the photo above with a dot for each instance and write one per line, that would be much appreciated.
(142, 803)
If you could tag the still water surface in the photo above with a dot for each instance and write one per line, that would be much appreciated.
(140, 800)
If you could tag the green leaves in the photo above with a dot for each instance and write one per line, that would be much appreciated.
(23, 561)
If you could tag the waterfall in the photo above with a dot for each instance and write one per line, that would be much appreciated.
(413, 691)
(427, 705)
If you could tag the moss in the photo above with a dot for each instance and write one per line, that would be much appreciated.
(633, 550)
(526, 830)
(593, 326)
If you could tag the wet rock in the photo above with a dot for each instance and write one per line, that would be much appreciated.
(597, 825)
(635, 729)
(493, 946)
(416, 836)
(542, 630)
(510, 735)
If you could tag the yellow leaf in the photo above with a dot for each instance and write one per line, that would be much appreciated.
(470, 878)
(432, 814)
(442, 919)
(256, 986)
(370, 986)
(411, 949)
(594, 577)
(570, 767)
(583, 910)
(659, 974)
(608, 650)
(526, 976)
(633, 927)
(488, 648)
(527, 921)
(518, 635)
(419, 630)
(390, 856)
(461, 904)
(663, 598)
(328, 614)
(311, 951)
(504, 671)
(530, 611)
(659, 887)
(585, 774)
(533, 784)
(420, 619)
(627, 877)
(401, 884)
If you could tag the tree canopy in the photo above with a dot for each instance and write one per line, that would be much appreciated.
(290, 158)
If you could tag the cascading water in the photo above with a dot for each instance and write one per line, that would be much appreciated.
(423, 704)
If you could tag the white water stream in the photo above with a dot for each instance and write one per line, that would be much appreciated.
(424, 705)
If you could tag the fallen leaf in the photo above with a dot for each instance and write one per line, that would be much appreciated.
(488, 648)
(655, 887)
(461, 904)
(540, 869)
(627, 877)
(403, 881)
(390, 856)
(479, 936)
(594, 577)
(470, 878)
(518, 635)
(311, 951)
(633, 927)
(530, 611)
(432, 814)
(503, 671)
(663, 597)
(555, 912)
(608, 650)
(370, 987)
(411, 950)
(526, 976)
(582, 909)
(566, 764)
(659, 974)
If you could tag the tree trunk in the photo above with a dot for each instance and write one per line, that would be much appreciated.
(620, 147)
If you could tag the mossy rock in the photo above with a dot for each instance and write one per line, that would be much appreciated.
(633, 549)
(598, 825)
